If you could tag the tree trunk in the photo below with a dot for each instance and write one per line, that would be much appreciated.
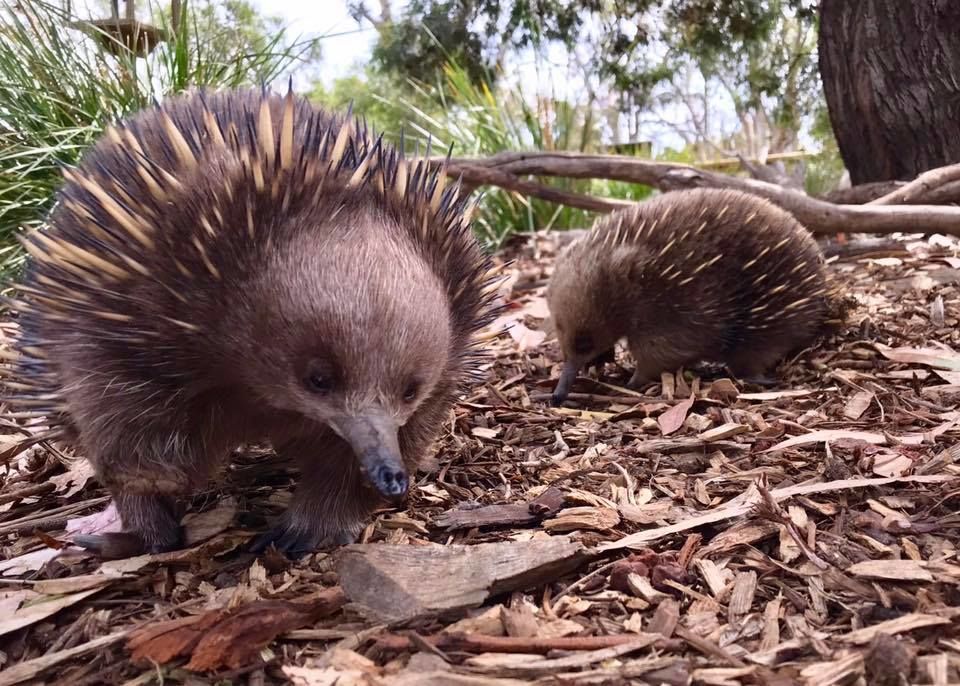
(891, 76)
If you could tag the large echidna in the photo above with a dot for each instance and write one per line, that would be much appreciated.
(240, 267)
(698, 275)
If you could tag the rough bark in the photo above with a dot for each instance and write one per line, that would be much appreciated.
(891, 76)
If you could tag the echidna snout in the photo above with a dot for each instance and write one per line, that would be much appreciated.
(373, 437)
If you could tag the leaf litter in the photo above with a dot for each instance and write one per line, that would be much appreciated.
(691, 531)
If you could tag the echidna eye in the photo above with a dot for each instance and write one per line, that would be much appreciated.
(319, 383)
(410, 392)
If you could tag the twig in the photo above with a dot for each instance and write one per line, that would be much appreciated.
(481, 176)
(27, 491)
(708, 647)
(479, 643)
(31, 668)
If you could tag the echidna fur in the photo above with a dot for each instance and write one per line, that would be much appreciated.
(696, 275)
(154, 240)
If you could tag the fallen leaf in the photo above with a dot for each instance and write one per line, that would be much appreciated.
(526, 338)
(72, 584)
(79, 472)
(836, 434)
(337, 667)
(673, 419)
(932, 357)
(28, 562)
(857, 405)
(40, 607)
(892, 464)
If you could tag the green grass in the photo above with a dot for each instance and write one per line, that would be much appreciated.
(479, 122)
(59, 89)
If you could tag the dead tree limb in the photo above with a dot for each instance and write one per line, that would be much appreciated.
(818, 216)
(922, 186)
(474, 176)
(861, 193)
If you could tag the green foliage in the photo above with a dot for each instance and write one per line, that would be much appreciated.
(58, 90)
(473, 33)
(431, 33)
(479, 122)
(383, 101)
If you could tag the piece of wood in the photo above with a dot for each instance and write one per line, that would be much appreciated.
(544, 505)
(395, 583)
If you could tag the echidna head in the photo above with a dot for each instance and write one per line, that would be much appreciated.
(355, 334)
(583, 310)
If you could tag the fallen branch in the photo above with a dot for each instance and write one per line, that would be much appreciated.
(479, 176)
(921, 186)
(818, 216)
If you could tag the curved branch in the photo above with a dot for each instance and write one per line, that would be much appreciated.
(921, 186)
(817, 215)
(474, 175)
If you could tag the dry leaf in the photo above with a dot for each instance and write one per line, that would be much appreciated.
(838, 434)
(28, 562)
(857, 405)
(933, 357)
(79, 472)
(673, 419)
(38, 607)
(526, 338)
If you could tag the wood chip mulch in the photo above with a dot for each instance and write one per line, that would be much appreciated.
(694, 532)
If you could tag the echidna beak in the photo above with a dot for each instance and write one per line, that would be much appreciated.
(373, 436)
(567, 377)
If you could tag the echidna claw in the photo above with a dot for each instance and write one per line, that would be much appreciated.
(296, 544)
(119, 545)
(291, 543)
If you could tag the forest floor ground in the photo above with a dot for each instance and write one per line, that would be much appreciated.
(695, 532)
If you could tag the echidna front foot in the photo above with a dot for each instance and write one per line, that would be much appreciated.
(330, 506)
(295, 541)
(150, 526)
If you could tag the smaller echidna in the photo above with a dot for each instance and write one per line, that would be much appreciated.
(699, 275)
(239, 267)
